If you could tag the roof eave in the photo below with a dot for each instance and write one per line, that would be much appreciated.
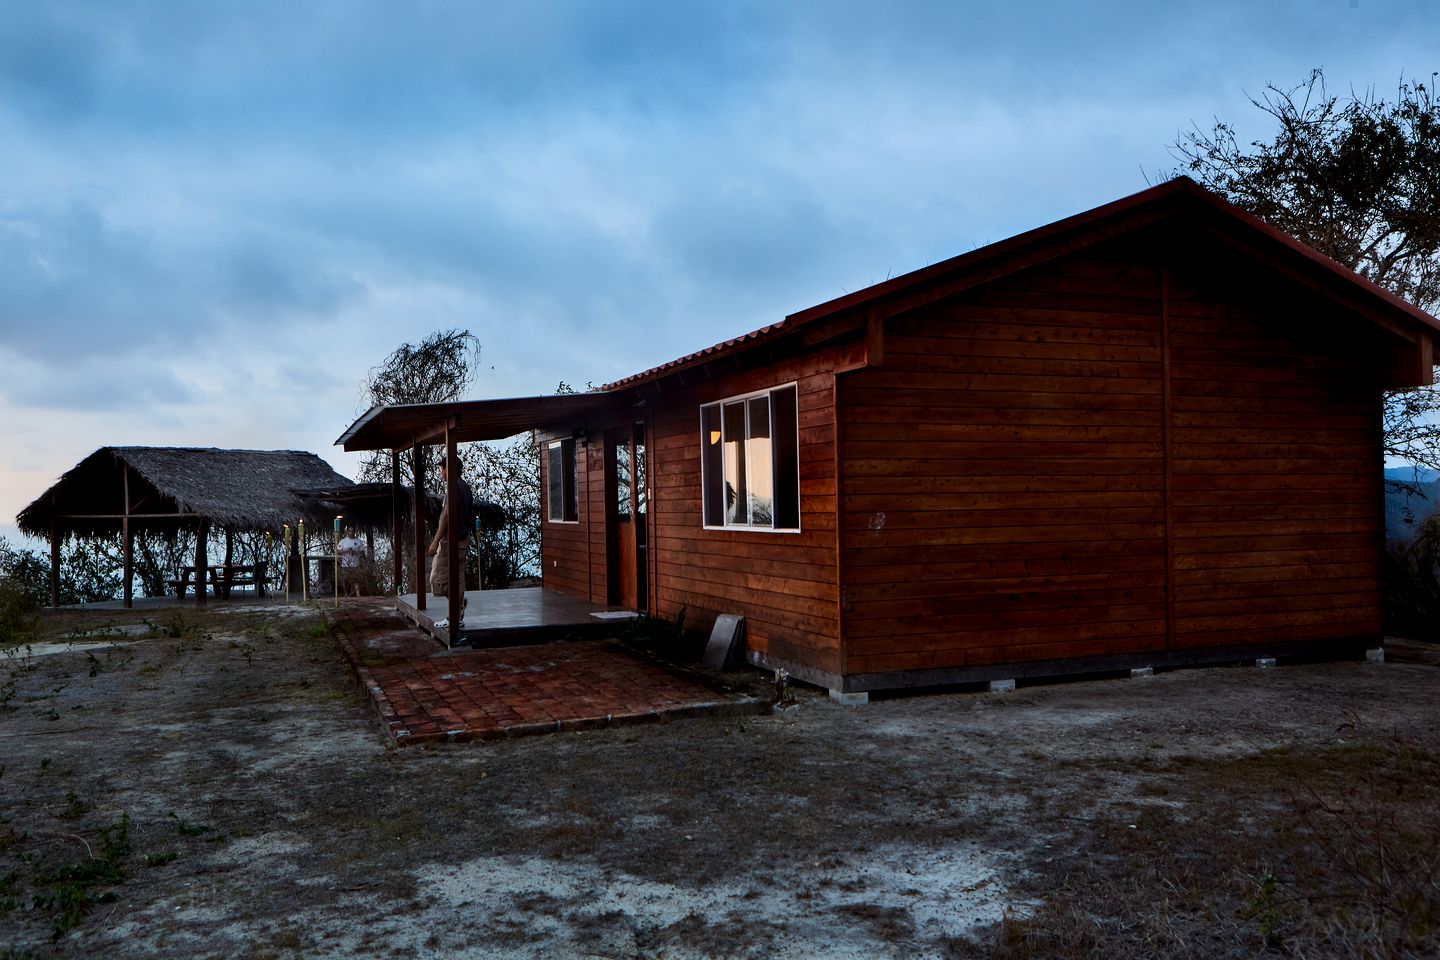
(401, 425)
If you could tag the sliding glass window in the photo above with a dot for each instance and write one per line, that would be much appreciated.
(750, 463)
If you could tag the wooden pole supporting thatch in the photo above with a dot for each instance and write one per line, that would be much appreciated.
(128, 590)
(456, 566)
(397, 528)
(294, 566)
(129, 549)
(202, 559)
(54, 565)
(420, 584)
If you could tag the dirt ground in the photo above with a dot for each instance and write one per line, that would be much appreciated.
(188, 785)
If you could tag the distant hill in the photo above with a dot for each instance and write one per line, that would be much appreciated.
(1406, 510)
(1412, 474)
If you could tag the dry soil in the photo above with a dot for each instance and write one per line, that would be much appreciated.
(186, 785)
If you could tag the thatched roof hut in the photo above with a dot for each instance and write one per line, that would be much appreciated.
(236, 490)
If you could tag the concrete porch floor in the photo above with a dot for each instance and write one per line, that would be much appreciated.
(424, 693)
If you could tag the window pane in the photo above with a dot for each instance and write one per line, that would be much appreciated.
(572, 494)
(757, 456)
(555, 481)
(622, 481)
(736, 493)
(787, 459)
(711, 466)
(640, 478)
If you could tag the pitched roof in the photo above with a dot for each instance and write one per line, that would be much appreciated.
(1174, 198)
(236, 489)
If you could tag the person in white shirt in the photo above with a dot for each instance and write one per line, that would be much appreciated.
(352, 552)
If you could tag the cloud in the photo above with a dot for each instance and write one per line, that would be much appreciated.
(92, 383)
(215, 217)
(74, 282)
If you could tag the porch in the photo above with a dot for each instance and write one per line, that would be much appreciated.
(496, 618)
(423, 693)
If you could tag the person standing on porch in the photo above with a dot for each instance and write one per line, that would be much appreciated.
(439, 557)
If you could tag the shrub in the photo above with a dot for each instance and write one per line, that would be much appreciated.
(23, 587)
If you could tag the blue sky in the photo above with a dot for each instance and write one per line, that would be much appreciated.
(216, 217)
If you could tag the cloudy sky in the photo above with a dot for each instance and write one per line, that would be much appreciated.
(216, 217)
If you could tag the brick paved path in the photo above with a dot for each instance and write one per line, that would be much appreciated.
(425, 694)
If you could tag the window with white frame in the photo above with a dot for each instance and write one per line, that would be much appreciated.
(750, 461)
(561, 494)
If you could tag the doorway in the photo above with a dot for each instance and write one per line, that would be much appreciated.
(626, 512)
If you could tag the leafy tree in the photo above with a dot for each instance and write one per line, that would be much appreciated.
(508, 476)
(91, 569)
(1358, 178)
(438, 369)
(505, 475)
(158, 557)
(24, 588)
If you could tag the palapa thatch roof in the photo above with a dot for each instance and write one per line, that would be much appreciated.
(367, 504)
(240, 490)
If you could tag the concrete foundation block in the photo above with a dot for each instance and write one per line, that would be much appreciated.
(1265, 663)
(1002, 686)
(850, 699)
(1375, 656)
(1137, 672)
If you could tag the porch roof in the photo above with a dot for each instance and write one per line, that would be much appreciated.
(403, 425)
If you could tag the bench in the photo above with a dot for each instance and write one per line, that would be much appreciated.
(222, 578)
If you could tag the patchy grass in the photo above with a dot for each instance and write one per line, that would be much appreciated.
(1318, 851)
(63, 883)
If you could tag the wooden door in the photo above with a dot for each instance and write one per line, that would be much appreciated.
(626, 511)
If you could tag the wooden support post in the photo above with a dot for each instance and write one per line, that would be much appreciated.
(202, 560)
(294, 566)
(224, 591)
(128, 590)
(452, 536)
(418, 459)
(54, 565)
(397, 528)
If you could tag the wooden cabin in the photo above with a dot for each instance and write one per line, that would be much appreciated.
(1149, 434)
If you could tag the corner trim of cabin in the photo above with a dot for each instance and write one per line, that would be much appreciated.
(874, 338)
(800, 671)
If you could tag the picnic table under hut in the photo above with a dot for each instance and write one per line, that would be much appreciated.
(120, 491)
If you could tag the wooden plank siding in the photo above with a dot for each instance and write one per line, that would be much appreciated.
(1107, 455)
(1276, 464)
(1140, 448)
(784, 584)
(565, 561)
(1002, 491)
